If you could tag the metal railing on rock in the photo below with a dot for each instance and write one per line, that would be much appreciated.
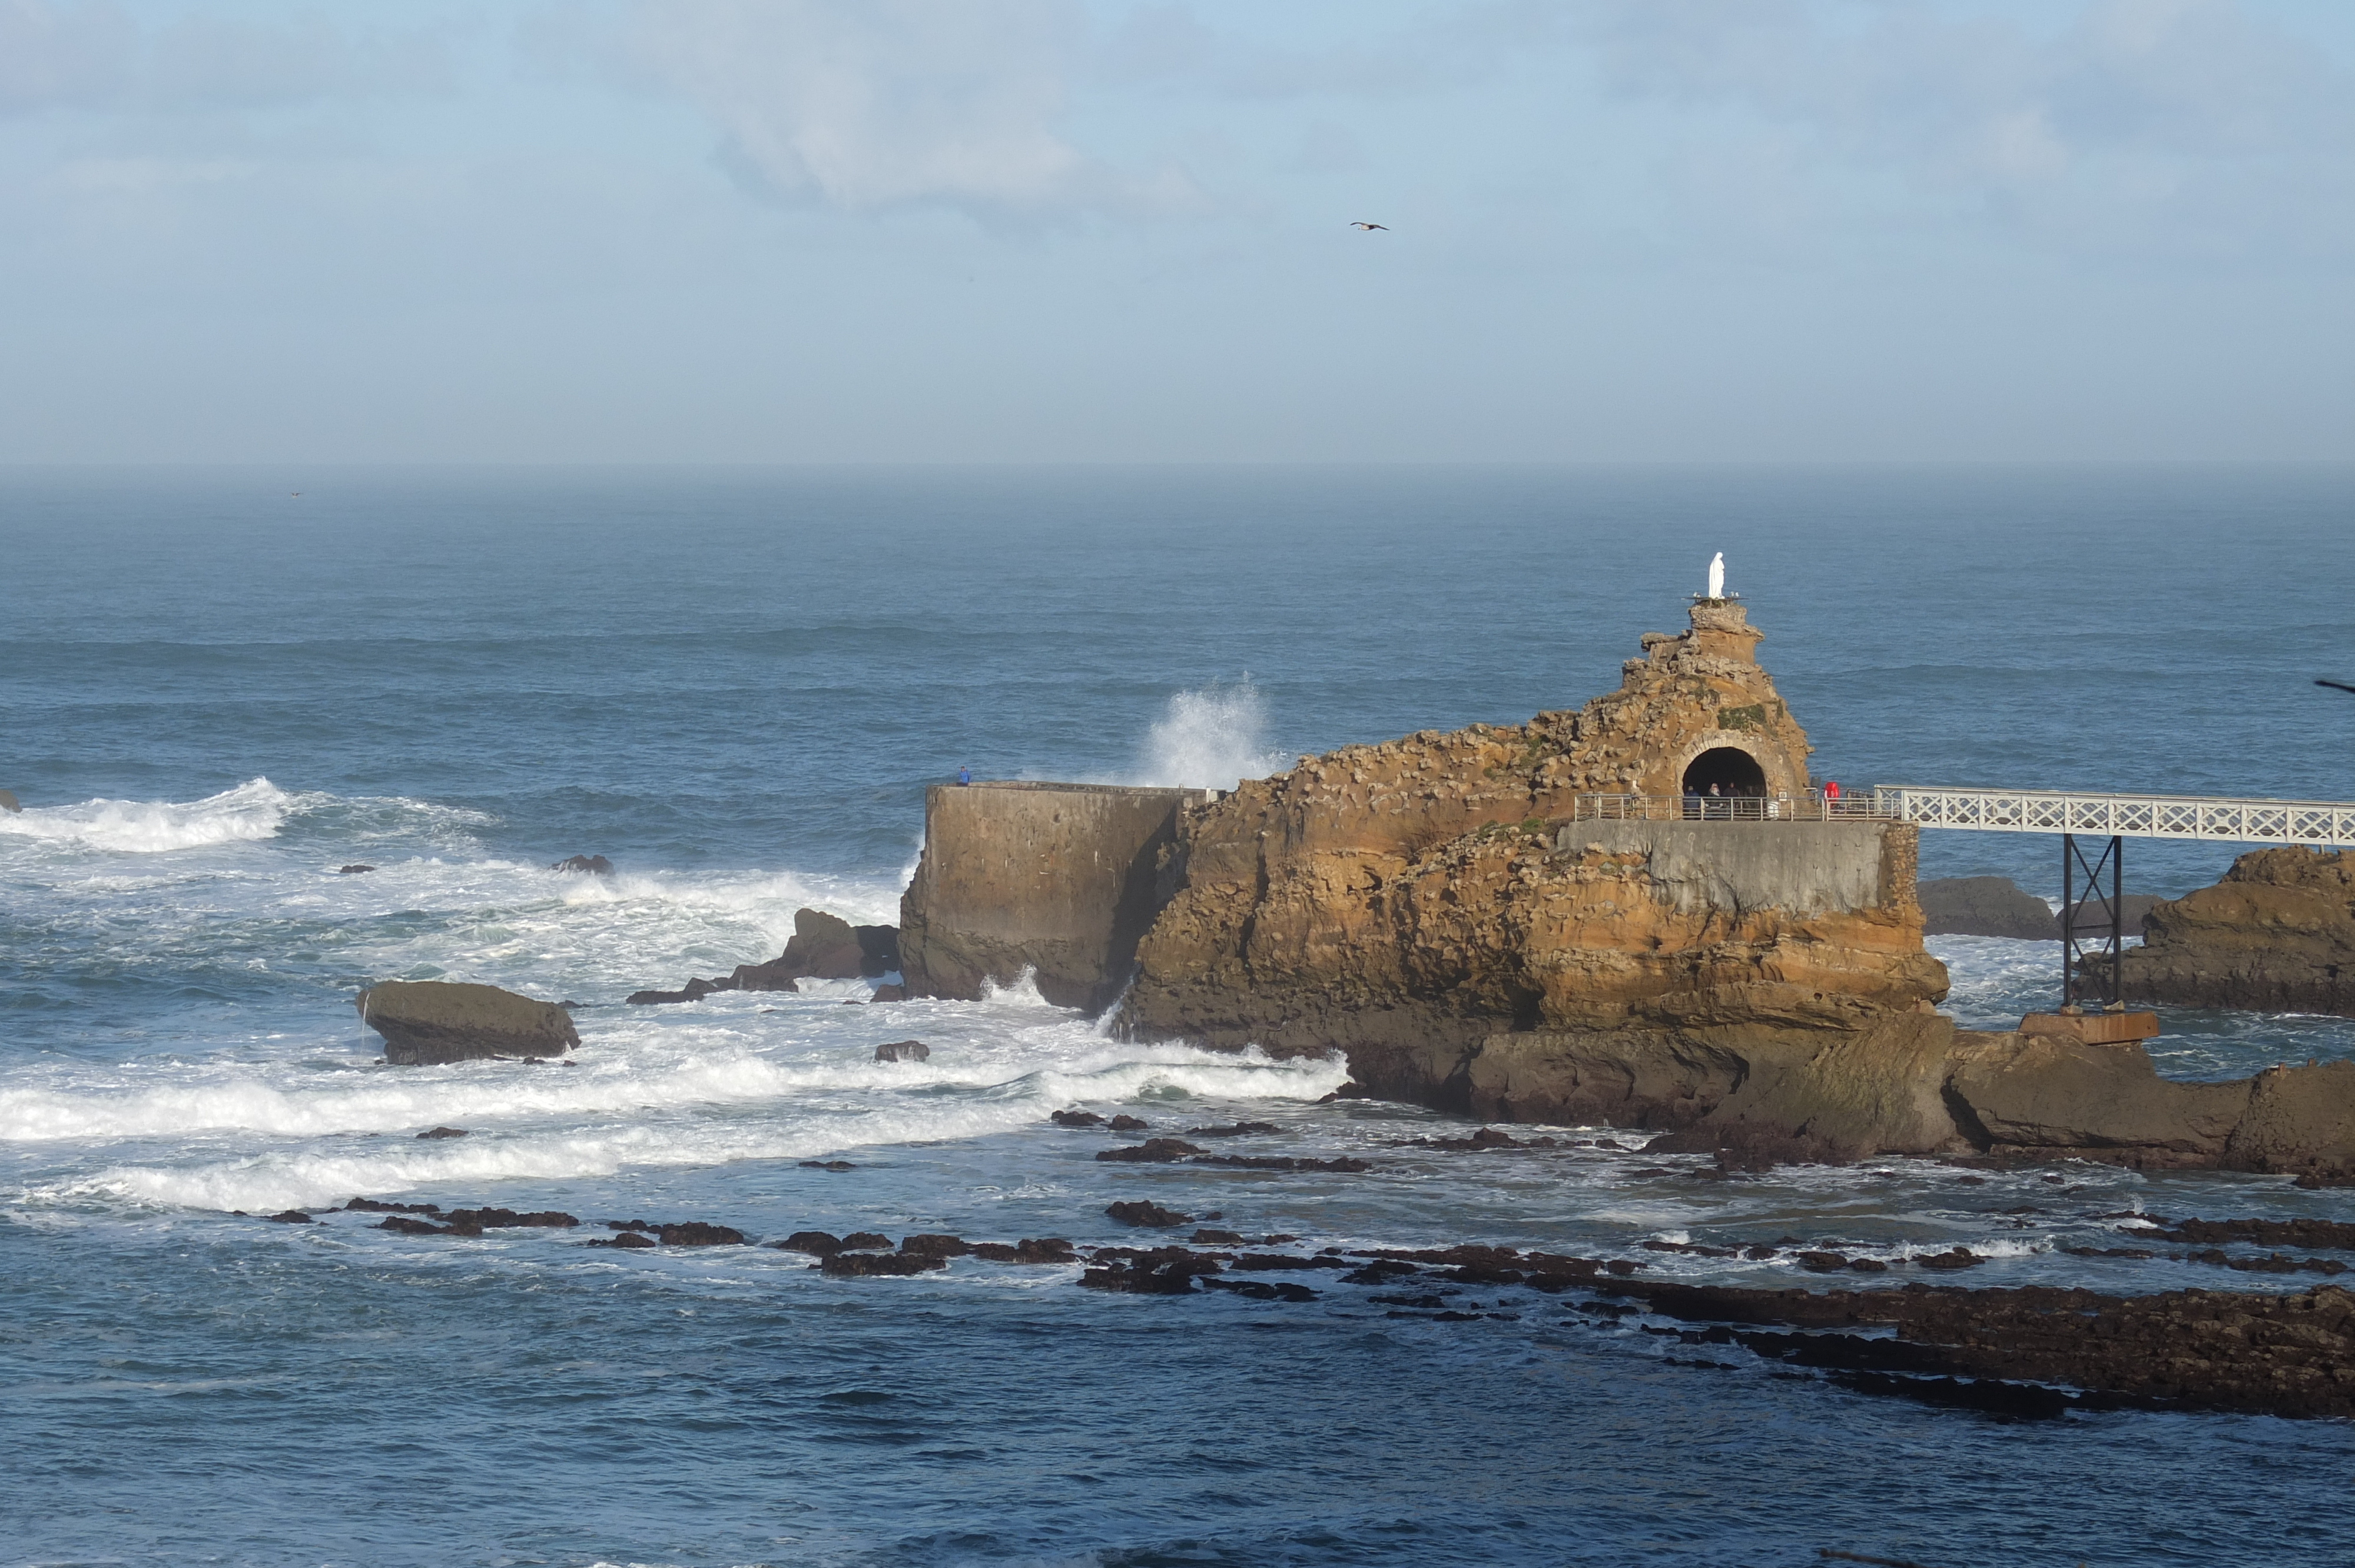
(1731, 808)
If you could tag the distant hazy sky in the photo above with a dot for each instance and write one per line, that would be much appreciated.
(790, 231)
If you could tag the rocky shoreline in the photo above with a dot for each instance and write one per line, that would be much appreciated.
(2032, 1351)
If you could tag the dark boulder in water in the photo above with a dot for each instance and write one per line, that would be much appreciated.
(441, 1132)
(1983, 906)
(865, 1241)
(817, 1243)
(696, 1232)
(1151, 1151)
(8, 801)
(353, 870)
(823, 947)
(694, 991)
(935, 1246)
(508, 1219)
(1143, 1212)
(291, 1217)
(1048, 1249)
(626, 1239)
(859, 1264)
(827, 1165)
(426, 1023)
(1076, 1119)
(1128, 1124)
(593, 865)
(903, 1051)
(890, 993)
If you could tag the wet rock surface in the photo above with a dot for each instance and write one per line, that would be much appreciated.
(2277, 934)
(430, 1022)
(585, 864)
(1076, 1119)
(1141, 1213)
(1151, 1151)
(903, 1051)
(2193, 1350)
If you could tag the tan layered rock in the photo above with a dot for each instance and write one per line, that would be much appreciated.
(1441, 911)
(1434, 908)
(2276, 935)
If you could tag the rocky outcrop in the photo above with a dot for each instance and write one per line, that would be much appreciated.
(1984, 906)
(1444, 912)
(822, 947)
(585, 865)
(425, 1023)
(1439, 909)
(2277, 935)
(903, 1051)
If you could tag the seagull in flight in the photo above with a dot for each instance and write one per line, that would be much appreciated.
(2336, 686)
(1369, 228)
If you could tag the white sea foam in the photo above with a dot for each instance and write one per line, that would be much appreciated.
(1209, 739)
(254, 809)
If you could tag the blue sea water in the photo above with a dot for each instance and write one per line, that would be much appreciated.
(217, 687)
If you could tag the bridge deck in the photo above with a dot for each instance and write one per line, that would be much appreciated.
(2324, 824)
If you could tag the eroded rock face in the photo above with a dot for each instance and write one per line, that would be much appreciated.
(425, 1023)
(2277, 935)
(1430, 908)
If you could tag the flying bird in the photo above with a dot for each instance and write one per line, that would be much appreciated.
(2335, 686)
(1369, 228)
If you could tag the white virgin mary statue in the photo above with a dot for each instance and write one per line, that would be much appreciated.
(1717, 576)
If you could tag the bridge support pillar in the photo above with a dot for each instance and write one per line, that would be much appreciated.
(2092, 921)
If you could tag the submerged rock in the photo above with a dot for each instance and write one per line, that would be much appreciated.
(1143, 1213)
(587, 864)
(859, 1264)
(1128, 1124)
(8, 801)
(442, 1132)
(1151, 1151)
(354, 870)
(1076, 1119)
(903, 1051)
(425, 1023)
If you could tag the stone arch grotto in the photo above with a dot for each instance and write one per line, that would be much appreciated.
(1734, 770)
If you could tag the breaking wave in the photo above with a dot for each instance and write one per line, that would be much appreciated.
(254, 809)
(1209, 739)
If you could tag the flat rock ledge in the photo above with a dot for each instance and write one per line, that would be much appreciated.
(428, 1022)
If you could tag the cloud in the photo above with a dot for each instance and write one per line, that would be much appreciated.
(94, 55)
(869, 104)
(53, 55)
(2180, 123)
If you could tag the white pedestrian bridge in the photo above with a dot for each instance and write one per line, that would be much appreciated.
(2324, 824)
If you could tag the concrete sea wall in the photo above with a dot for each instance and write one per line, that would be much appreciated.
(1061, 879)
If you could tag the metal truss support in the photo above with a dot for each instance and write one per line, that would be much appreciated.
(2092, 921)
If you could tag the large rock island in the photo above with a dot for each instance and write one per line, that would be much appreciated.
(1561, 921)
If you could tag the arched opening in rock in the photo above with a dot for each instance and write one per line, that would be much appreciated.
(1733, 770)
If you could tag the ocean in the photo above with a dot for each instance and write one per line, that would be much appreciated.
(218, 687)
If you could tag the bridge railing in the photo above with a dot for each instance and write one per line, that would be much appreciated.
(2324, 823)
(1729, 809)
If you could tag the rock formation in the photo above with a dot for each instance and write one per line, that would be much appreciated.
(1984, 906)
(2277, 935)
(822, 947)
(426, 1023)
(1444, 912)
(1427, 902)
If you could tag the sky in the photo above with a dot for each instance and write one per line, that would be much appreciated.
(775, 231)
